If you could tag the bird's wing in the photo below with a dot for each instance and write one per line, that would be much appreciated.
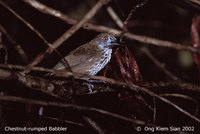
(80, 60)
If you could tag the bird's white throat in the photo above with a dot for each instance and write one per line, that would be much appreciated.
(107, 53)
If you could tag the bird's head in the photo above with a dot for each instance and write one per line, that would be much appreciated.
(106, 39)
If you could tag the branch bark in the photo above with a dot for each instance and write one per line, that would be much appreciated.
(37, 84)
(99, 28)
(16, 46)
(69, 32)
(145, 90)
(37, 33)
(73, 106)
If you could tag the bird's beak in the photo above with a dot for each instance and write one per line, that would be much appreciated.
(117, 43)
(114, 43)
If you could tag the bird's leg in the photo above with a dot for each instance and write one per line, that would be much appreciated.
(90, 87)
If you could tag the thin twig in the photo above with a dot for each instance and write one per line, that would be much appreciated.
(195, 1)
(129, 17)
(115, 17)
(40, 69)
(154, 110)
(50, 11)
(16, 46)
(144, 39)
(94, 125)
(142, 89)
(182, 86)
(25, 22)
(47, 117)
(63, 121)
(118, 21)
(184, 97)
(149, 93)
(4, 47)
(38, 34)
(56, 86)
(37, 84)
(175, 95)
(158, 64)
(76, 107)
(6, 54)
(70, 32)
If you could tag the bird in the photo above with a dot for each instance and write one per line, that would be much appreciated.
(91, 57)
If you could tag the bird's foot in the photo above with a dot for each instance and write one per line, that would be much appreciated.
(90, 87)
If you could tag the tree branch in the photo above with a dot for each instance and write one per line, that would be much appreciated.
(16, 46)
(37, 84)
(38, 34)
(93, 124)
(158, 64)
(73, 106)
(132, 86)
(144, 39)
(69, 32)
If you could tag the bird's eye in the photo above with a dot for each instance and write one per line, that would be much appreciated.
(105, 38)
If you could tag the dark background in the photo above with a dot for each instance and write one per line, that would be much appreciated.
(162, 19)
